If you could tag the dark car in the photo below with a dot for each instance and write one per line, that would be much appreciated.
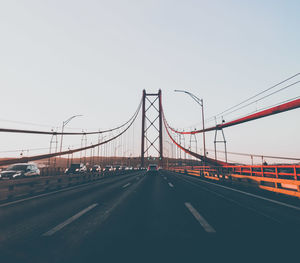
(96, 169)
(76, 168)
(108, 168)
(20, 170)
(117, 167)
(152, 169)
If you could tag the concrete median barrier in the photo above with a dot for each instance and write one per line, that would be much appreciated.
(18, 188)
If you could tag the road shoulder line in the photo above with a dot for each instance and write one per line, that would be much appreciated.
(252, 195)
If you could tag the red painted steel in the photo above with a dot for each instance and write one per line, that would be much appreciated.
(159, 129)
(198, 156)
(268, 112)
(290, 172)
(143, 129)
(284, 179)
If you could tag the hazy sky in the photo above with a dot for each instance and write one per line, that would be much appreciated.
(60, 58)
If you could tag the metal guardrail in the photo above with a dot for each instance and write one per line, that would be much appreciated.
(17, 188)
(284, 179)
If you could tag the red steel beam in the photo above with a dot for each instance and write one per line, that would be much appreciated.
(198, 156)
(143, 129)
(261, 114)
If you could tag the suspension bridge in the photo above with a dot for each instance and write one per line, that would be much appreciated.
(195, 202)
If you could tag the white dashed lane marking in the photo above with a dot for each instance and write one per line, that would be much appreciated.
(207, 227)
(69, 221)
(126, 185)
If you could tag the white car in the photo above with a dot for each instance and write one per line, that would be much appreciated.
(20, 170)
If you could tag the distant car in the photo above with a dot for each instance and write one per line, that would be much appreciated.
(96, 169)
(152, 169)
(117, 167)
(108, 168)
(76, 168)
(20, 170)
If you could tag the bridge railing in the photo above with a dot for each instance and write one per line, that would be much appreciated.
(284, 179)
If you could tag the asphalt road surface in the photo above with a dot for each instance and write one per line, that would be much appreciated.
(140, 217)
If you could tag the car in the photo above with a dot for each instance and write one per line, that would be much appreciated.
(76, 168)
(152, 169)
(96, 169)
(20, 170)
(108, 168)
(117, 167)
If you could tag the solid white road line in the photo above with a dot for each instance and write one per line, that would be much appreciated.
(69, 221)
(126, 185)
(241, 205)
(253, 195)
(171, 185)
(207, 227)
(231, 200)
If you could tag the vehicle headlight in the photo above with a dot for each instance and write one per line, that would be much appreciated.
(77, 170)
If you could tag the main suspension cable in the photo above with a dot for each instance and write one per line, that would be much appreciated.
(254, 96)
(65, 133)
(45, 156)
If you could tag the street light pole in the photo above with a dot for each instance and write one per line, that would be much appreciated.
(203, 128)
(200, 102)
(63, 127)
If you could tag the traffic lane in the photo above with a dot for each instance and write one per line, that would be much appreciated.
(225, 214)
(292, 200)
(152, 225)
(62, 245)
(19, 219)
(271, 206)
(237, 225)
(22, 220)
(75, 185)
(34, 247)
(27, 204)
